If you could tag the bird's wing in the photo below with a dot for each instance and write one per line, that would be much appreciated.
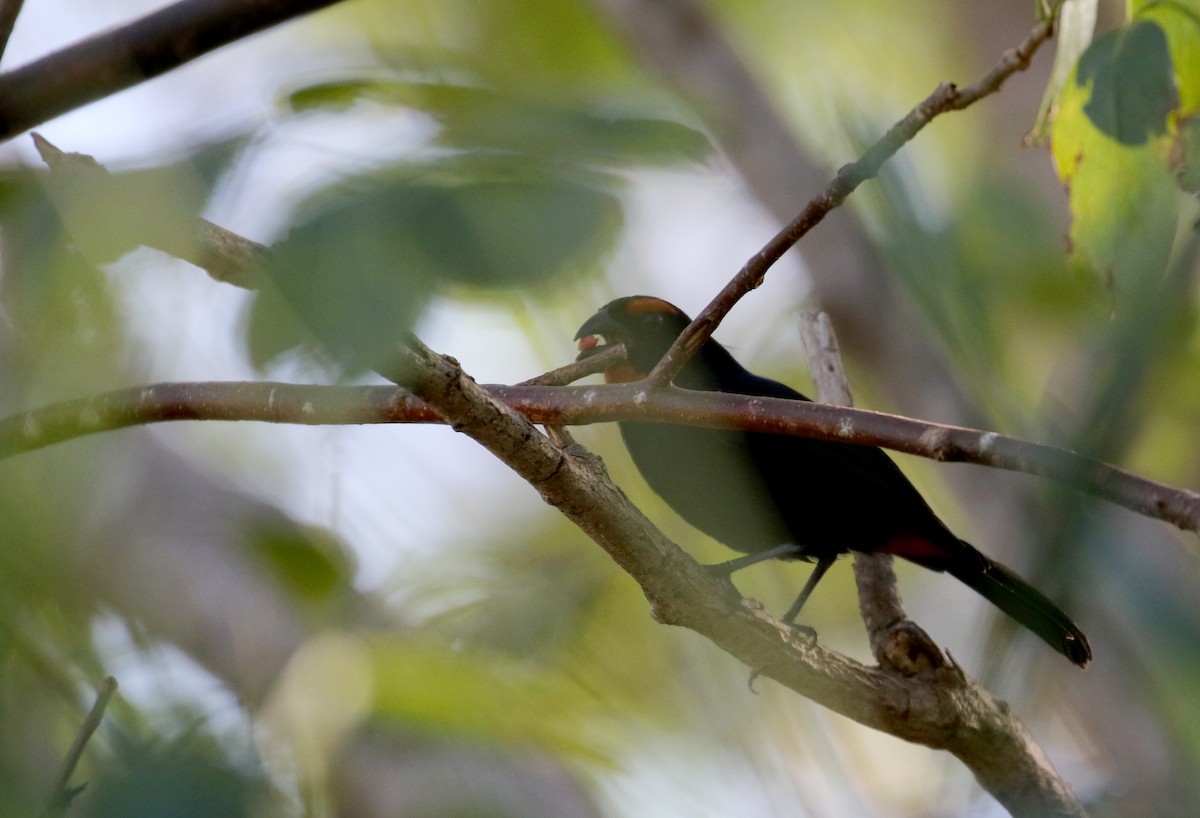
(864, 463)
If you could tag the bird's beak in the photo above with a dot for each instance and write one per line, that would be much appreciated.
(597, 334)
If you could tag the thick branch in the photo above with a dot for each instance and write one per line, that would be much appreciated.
(942, 709)
(117, 59)
(578, 405)
(947, 97)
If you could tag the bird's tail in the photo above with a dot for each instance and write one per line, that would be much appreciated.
(1020, 600)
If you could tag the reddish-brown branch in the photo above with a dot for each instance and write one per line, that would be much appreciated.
(577, 405)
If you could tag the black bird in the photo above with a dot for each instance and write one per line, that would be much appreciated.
(791, 497)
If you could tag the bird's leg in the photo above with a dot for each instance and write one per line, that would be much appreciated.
(818, 571)
(723, 570)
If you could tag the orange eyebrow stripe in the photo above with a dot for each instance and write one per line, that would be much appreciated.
(646, 304)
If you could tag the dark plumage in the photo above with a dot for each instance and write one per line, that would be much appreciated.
(755, 492)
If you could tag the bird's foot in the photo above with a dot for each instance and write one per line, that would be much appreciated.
(807, 631)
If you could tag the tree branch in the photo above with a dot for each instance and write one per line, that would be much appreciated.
(114, 60)
(947, 97)
(9, 11)
(896, 641)
(579, 405)
(942, 709)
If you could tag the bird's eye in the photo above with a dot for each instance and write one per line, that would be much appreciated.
(589, 342)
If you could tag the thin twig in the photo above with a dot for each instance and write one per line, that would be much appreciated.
(947, 97)
(61, 794)
(580, 369)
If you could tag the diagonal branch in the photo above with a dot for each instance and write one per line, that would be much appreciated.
(9, 11)
(947, 97)
(114, 60)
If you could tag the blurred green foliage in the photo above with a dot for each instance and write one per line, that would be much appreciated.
(358, 272)
(521, 194)
(187, 778)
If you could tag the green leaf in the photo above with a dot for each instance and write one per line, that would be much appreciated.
(1185, 155)
(501, 234)
(188, 779)
(1132, 81)
(1124, 200)
(1180, 22)
(337, 95)
(348, 277)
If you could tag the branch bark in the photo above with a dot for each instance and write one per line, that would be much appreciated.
(9, 11)
(580, 405)
(946, 97)
(114, 60)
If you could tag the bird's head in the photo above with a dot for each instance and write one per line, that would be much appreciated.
(647, 327)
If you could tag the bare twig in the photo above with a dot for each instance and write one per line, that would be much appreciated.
(570, 373)
(575, 405)
(61, 794)
(580, 369)
(896, 641)
(117, 59)
(947, 97)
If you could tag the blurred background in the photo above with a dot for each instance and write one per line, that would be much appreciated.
(371, 621)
